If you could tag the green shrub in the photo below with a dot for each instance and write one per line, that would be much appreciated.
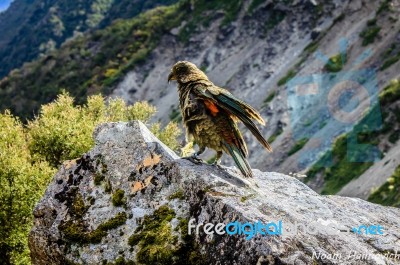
(390, 61)
(60, 132)
(169, 135)
(369, 34)
(232, 9)
(22, 183)
(335, 63)
(30, 155)
(269, 98)
(312, 47)
(383, 7)
(63, 131)
(389, 193)
(297, 146)
(275, 135)
(391, 93)
(286, 78)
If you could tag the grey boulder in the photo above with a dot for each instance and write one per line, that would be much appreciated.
(131, 200)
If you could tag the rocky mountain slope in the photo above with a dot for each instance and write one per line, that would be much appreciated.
(265, 52)
(29, 29)
(130, 200)
(255, 59)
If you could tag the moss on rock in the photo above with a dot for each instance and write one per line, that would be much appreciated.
(78, 207)
(101, 231)
(158, 245)
(108, 187)
(114, 222)
(98, 178)
(177, 195)
(118, 198)
(75, 230)
(154, 238)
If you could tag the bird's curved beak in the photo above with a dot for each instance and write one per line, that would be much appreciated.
(171, 77)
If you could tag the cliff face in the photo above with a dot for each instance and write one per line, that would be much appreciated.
(130, 200)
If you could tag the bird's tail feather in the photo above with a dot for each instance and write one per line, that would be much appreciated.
(240, 160)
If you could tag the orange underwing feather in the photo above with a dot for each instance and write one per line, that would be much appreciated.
(211, 107)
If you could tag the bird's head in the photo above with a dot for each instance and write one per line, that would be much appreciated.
(184, 71)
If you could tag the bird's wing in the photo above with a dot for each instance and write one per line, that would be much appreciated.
(219, 97)
(230, 101)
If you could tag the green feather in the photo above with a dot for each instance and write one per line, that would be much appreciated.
(240, 106)
(234, 108)
(239, 159)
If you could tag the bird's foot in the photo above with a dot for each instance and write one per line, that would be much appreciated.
(194, 159)
(217, 164)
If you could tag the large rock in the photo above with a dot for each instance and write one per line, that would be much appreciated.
(129, 200)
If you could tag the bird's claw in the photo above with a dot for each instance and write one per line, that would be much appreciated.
(194, 159)
(217, 164)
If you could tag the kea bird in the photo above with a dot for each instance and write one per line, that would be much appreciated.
(210, 115)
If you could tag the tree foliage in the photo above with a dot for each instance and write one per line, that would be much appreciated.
(31, 153)
(22, 181)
